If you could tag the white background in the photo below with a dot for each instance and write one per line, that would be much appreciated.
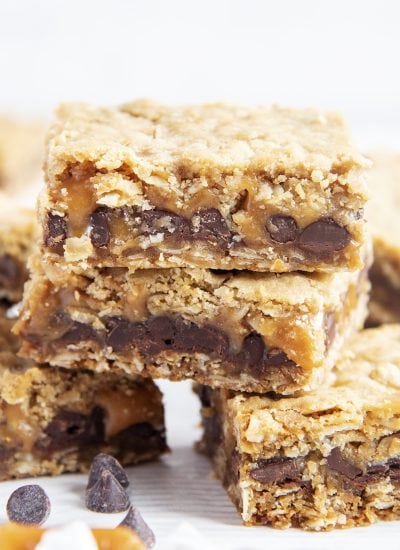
(337, 54)
(340, 54)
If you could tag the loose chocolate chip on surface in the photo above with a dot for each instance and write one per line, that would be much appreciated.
(135, 521)
(277, 470)
(99, 227)
(102, 462)
(28, 505)
(107, 496)
(282, 229)
(336, 461)
(323, 238)
(55, 233)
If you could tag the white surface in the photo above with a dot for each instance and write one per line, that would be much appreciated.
(186, 507)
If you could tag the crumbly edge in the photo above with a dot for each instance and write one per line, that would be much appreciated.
(323, 499)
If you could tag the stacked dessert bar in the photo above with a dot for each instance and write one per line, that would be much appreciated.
(53, 420)
(227, 245)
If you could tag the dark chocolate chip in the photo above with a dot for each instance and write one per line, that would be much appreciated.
(277, 470)
(323, 238)
(107, 495)
(337, 462)
(142, 438)
(122, 334)
(55, 233)
(163, 333)
(99, 227)
(258, 359)
(206, 339)
(135, 521)
(209, 225)
(330, 327)
(167, 223)
(282, 229)
(79, 332)
(28, 505)
(70, 429)
(252, 352)
(103, 461)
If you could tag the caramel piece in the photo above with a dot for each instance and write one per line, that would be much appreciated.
(18, 537)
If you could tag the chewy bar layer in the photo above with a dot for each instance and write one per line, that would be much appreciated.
(383, 214)
(240, 330)
(327, 459)
(55, 420)
(17, 237)
(213, 186)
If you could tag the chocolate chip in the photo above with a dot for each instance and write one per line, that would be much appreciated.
(258, 359)
(206, 339)
(337, 462)
(99, 227)
(28, 505)
(78, 332)
(70, 429)
(277, 470)
(252, 350)
(163, 333)
(55, 233)
(122, 334)
(209, 225)
(168, 223)
(107, 496)
(142, 438)
(282, 229)
(107, 462)
(135, 521)
(323, 238)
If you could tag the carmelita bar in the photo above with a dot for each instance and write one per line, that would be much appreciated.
(240, 330)
(327, 459)
(53, 420)
(215, 186)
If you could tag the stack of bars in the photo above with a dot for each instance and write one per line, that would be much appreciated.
(54, 420)
(225, 245)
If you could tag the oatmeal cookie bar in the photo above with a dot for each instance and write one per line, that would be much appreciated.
(54, 420)
(214, 186)
(18, 233)
(327, 459)
(383, 214)
(236, 329)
